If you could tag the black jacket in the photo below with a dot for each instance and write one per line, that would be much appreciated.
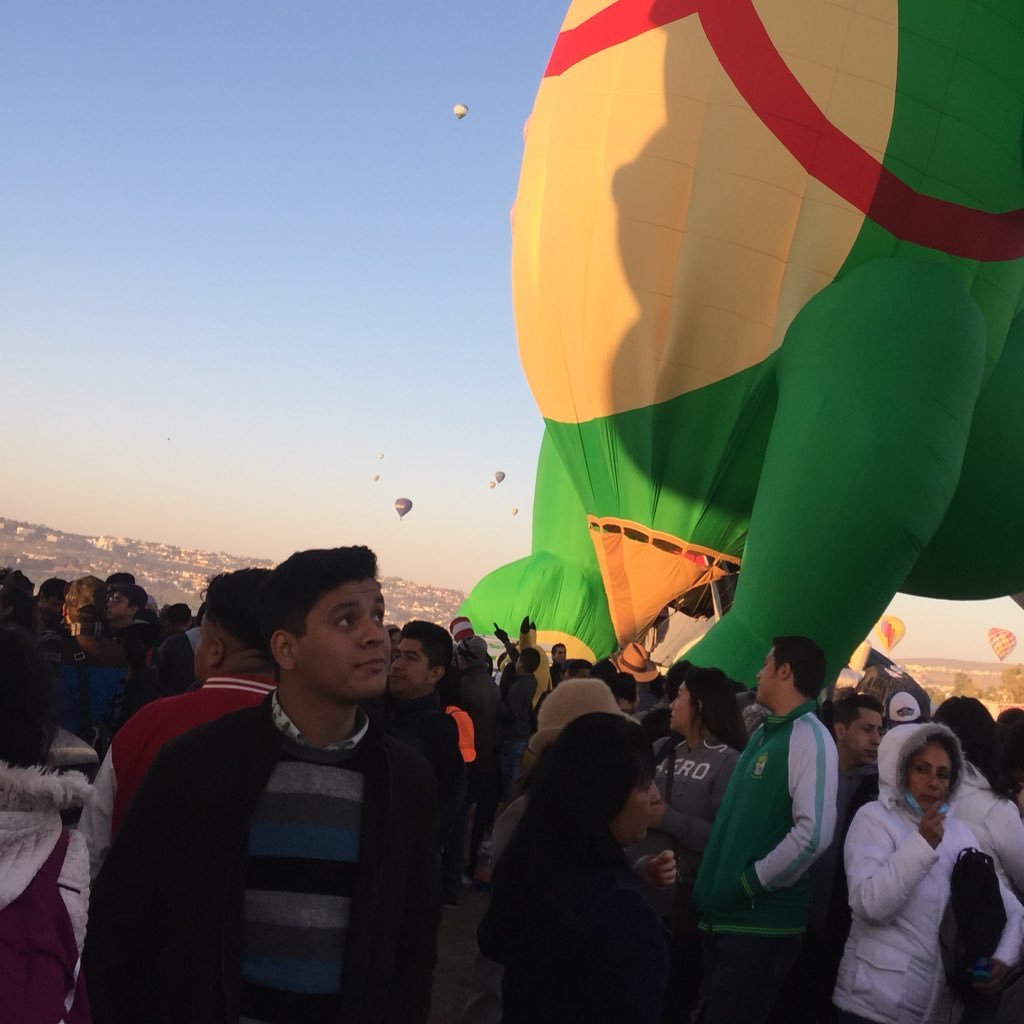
(165, 939)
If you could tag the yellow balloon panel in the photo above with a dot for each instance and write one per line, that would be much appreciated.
(664, 238)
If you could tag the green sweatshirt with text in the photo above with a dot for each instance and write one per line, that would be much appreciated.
(777, 817)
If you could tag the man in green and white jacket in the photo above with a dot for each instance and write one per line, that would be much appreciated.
(777, 817)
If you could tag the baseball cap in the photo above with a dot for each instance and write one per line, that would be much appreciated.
(903, 707)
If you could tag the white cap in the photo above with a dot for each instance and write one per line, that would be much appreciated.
(903, 708)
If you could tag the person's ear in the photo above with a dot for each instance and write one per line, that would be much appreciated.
(283, 649)
(218, 650)
(436, 674)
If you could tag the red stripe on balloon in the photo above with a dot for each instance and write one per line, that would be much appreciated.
(763, 78)
(617, 23)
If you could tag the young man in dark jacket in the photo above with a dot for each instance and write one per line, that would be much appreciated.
(413, 715)
(280, 863)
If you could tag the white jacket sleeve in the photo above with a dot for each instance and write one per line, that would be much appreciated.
(1007, 832)
(1009, 949)
(96, 818)
(813, 785)
(880, 873)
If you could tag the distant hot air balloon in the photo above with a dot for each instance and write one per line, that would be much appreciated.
(491, 484)
(515, 511)
(376, 477)
(460, 110)
(1002, 642)
(402, 506)
(380, 455)
(499, 476)
(891, 630)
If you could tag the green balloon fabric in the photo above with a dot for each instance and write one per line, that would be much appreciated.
(772, 319)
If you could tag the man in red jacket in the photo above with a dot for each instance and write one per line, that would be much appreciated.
(234, 671)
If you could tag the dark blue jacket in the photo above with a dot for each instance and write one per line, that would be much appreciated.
(593, 952)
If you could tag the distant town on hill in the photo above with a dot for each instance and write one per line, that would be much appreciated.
(171, 574)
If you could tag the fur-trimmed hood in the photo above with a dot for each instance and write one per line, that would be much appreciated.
(899, 745)
(31, 800)
(38, 789)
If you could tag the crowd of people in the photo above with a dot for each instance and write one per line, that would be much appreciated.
(288, 790)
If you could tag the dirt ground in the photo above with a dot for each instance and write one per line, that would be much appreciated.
(455, 953)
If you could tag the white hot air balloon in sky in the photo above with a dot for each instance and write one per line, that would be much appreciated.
(460, 110)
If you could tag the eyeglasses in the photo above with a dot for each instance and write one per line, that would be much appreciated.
(115, 598)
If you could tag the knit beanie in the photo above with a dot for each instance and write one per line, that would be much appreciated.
(568, 701)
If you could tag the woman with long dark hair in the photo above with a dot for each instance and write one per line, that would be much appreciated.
(44, 869)
(567, 918)
(986, 801)
(691, 781)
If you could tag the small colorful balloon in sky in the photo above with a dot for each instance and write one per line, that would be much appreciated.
(515, 511)
(499, 476)
(402, 507)
(460, 110)
(891, 630)
(491, 484)
(376, 477)
(1002, 642)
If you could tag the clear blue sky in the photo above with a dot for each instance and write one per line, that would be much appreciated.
(247, 246)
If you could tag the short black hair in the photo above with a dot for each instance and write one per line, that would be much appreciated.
(435, 640)
(28, 720)
(180, 614)
(623, 687)
(16, 580)
(805, 659)
(529, 659)
(52, 587)
(232, 602)
(847, 709)
(301, 580)
(120, 577)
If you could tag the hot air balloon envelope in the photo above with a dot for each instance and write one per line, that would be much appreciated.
(491, 484)
(1002, 642)
(376, 477)
(891, 631)
(402, 506)
(515, 511)
(499, 476)
(460, 110)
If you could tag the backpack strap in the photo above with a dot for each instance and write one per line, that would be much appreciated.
(84, 693)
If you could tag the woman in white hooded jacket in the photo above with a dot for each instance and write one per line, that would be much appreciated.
(899, 856)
